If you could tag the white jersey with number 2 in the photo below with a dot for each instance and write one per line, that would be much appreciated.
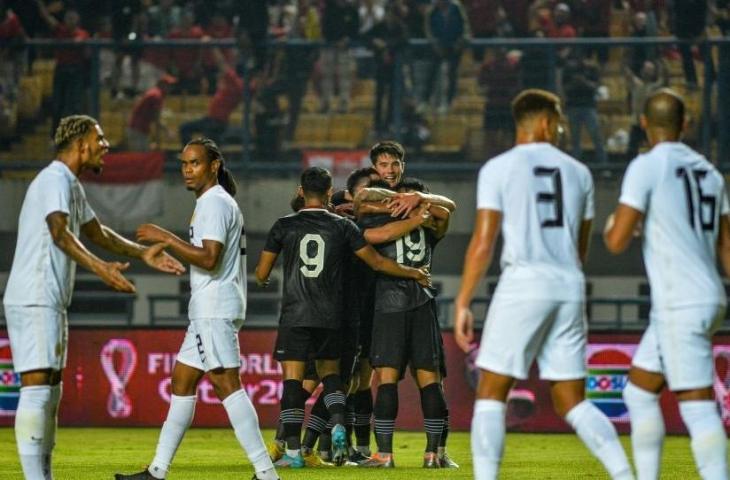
(544, 195)
(682, 196)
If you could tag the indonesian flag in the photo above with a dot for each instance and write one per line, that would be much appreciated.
(129, 187)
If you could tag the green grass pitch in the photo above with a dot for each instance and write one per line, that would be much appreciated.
(97, 453)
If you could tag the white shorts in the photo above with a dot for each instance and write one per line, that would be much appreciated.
(518, 331)
(678, 344)
(38, 337)
(211, 343)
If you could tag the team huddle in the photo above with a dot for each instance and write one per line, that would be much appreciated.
(358, 302)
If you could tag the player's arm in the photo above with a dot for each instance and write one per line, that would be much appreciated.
(371, 195)
(394, 230)
(402, 203)
(621, 227)
(264, 267)
(205, 257)
(440, 217)
(390, 267)
(723, 244)
(476, 262)
(111, 241)
(68, 243)
(584, 240)
(372, 208)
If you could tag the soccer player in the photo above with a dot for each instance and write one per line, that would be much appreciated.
(315, 244)
(41, 281)
(405, 327)
(680, 198)
(542, 201)
(217, 308)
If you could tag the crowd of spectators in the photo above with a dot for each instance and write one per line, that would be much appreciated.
(267, 66)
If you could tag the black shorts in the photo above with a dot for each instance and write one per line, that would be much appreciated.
(407, 338)
(307, 343)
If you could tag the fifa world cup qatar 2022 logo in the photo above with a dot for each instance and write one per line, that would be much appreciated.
(118, 360)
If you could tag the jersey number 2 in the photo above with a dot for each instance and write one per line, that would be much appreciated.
(313, 264)
(707, 201)
(555, 197)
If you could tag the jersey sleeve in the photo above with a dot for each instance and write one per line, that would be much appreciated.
(724, 205)
(56, 195)
(88, 213)
(636, 186)
(354, 236)
(214, 221)
(489, 196)
(275, 239)
(590, 206)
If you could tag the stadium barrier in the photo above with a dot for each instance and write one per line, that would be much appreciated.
(121, 377)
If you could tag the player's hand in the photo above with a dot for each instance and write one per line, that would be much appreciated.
(156, 257)
(150, 233)
(423, 277)
(401, 204)
(111, 274)
(423, 215)
(345, 210)
(262, 283)
(464, 328)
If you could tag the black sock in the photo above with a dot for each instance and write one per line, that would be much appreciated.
(445, 432)
(279, 432)
(316, 424)
(432, 405)
(292, 413)
(334, 398)
(349, 417)
(386, 410)
(363, 416)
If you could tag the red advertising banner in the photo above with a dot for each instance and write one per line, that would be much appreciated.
(122, 378)
(339, 162)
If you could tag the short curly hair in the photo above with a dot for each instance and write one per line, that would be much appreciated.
(71, 128)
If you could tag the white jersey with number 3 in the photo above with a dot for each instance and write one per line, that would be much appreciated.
(220, 293)
(682, 196)
(544, 195)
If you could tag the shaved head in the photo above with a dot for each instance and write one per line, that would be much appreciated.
(664, 109)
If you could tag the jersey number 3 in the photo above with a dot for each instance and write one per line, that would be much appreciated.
(313, 258)
(706, 202)
(555, 197)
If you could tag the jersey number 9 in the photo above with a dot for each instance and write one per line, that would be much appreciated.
(313, 264)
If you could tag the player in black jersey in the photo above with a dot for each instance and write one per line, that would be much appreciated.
(314, 244)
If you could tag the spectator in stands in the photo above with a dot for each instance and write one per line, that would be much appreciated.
(414, 16)
(282, 16)
(227, 97)
(689, 23)
(253, 18)
(340, 27)
(146, 113)
(12, 51)
(722, 16)
(501, 79)
(387, 39)
(187, 62)
(69, 76)
(164, 18)
(482, 15)
(653, 76)
(593, 18)
(218, 28)
(447, 28)
(371, 12)
(639, 53)
(308, 25)
(580, 85)
(561, 25)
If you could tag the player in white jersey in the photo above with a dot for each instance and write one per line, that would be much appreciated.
(680, 198)
(542, 201)
(41, 281)
(217, 308)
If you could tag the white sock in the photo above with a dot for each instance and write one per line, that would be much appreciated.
(647, 430)
(245, 424)
(49, 437)
(179, 417)
(709, 442)
(30, 424)
(598, 434)
(487, 438)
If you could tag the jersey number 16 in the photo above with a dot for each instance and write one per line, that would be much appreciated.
(706, 202)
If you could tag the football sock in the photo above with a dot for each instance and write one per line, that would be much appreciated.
(316, 423)
(31, 418)
(334, 398)
(445, 432)
(49, 435)
(647, 430)
(292, 413)
(245, 424)
(386, 411)
(709, 442)
(179, 417)
(350, 417)
(325, 442)
(599, 435)
(279, 432)
(487, 438)
(432, 405)
(363, 412)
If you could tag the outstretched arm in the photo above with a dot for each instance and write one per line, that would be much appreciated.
(109, 272)
(110, 240)
(372, 195)
(476, 262)
(205, 257)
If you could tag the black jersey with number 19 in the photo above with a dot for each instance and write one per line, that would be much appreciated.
(316, 247)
